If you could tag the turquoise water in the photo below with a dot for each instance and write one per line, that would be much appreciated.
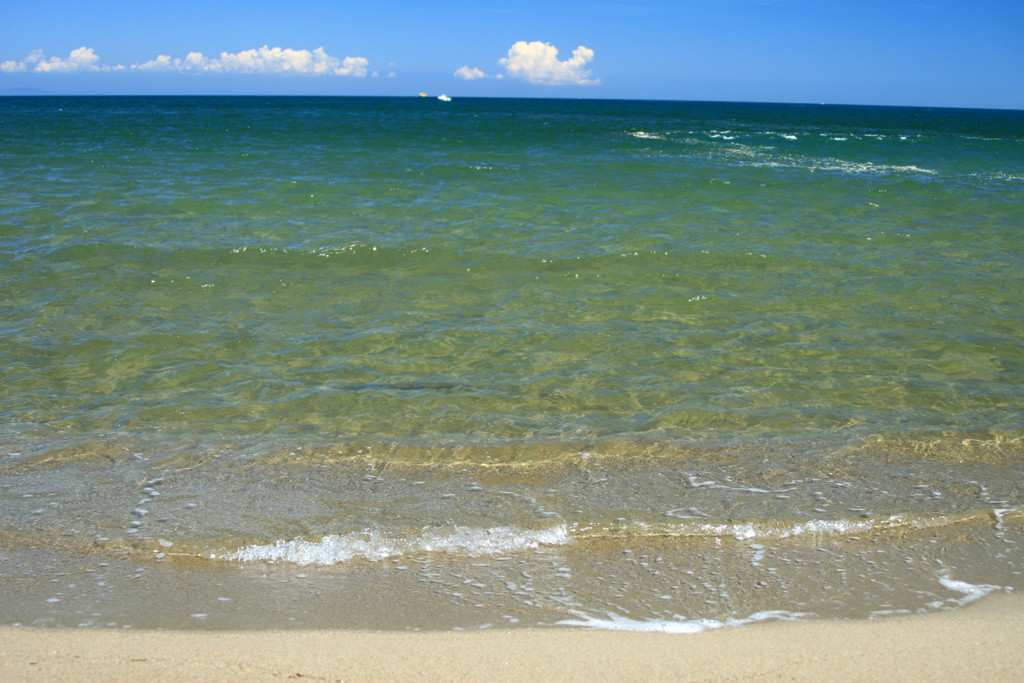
(404, 328)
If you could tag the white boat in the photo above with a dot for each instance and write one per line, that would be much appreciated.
(444, 98)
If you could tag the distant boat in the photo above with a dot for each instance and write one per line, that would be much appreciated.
(423, 94)
(444, 98)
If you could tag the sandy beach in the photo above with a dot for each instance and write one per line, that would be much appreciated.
(981, 642)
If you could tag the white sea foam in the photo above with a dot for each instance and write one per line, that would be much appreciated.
(853, 167)
(996, 176)
(762, 158)
(1000, 515)
(617, 622)
(748, 530)
(868, 167)
(970, 591)
(372, 545)
(646, 136)
(745, 531)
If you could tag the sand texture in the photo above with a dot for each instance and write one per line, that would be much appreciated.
(982, 642)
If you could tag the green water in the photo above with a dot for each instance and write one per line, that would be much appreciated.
(380, 320)
(394, 269)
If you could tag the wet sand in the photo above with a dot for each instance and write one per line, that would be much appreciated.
(981, 642)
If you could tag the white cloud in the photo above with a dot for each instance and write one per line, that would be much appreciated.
(193, 62)
(353, 66)
(82, 59)
(265, 60)
(537, 62)
(470, 74)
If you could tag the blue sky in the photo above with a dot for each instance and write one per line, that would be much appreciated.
(967, 53)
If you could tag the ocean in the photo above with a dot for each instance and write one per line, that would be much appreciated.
(402, 363)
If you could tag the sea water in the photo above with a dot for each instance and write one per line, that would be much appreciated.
(403, 363)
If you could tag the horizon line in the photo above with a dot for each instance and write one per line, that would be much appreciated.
(33, 92)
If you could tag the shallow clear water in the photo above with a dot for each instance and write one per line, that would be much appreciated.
(486, 338)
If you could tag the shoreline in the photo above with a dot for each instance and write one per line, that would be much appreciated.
(978, 642)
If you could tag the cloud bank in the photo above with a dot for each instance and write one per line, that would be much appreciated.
(538, 62)
(82, 59)
(534, 62)
(264, 60)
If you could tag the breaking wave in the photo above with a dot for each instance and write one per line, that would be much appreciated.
(372, 545)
